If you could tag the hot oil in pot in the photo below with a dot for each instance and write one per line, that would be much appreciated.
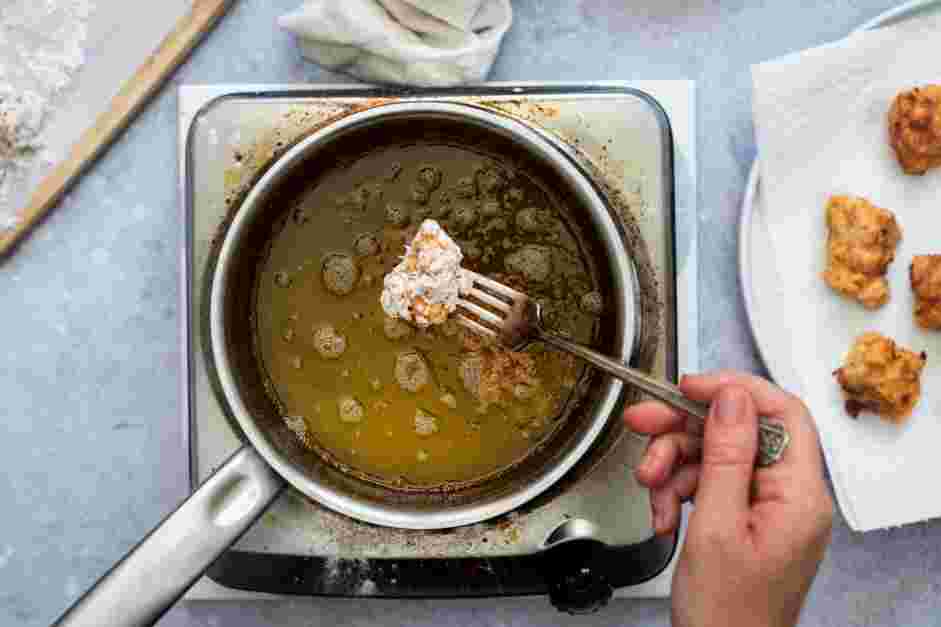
(392, 402)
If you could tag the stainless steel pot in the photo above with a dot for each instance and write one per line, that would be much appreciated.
(160, 569)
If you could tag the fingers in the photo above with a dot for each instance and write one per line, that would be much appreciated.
(803, 454)
(672, 445)
(664, 454)
(728, 457)
(667, 500)
(653, 418)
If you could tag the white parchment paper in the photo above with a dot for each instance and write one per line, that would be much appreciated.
(820, 118)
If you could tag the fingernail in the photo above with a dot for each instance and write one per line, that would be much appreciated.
(729, 407)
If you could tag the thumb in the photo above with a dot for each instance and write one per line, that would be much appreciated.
(728, 458)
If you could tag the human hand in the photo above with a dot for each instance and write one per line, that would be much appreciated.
(756, 535)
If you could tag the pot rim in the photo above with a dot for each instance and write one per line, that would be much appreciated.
(540, 144)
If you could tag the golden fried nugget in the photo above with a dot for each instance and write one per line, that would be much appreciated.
(882, 377)
(925, 277)
(860, 246)
(915, 129)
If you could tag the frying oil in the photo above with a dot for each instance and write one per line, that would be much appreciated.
(493, 212)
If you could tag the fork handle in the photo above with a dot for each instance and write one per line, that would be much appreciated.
(773, 438)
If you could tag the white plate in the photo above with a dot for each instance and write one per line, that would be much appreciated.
(757, 272)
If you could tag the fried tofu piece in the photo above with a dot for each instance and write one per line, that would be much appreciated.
(915, 128)
(881, 376)
(860, 246)
(925, 277)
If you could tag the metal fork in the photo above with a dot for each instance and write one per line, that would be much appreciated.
(516, 320)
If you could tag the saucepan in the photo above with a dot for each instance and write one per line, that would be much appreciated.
(160, 569)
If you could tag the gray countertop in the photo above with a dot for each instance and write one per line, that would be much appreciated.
(91, 441)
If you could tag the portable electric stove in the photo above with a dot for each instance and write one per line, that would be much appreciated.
(578, 544)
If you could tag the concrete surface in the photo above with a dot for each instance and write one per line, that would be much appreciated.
(90, 429)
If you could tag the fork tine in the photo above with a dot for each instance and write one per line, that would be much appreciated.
(480, 312)
(497, 287)
(475, 326)
(489, 299)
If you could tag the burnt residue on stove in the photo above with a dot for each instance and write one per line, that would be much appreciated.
(334, 534)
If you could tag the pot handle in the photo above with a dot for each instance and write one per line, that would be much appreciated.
(161, 568)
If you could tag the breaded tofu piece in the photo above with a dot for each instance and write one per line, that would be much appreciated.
(882, 377)
(925, 277)
(915, 128)
(860, 246)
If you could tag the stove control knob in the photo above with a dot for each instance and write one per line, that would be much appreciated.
(577, 585)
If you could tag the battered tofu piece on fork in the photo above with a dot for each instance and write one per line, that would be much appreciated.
(860, 246)
(925, 277)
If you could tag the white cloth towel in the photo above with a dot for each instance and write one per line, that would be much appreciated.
(413, 42)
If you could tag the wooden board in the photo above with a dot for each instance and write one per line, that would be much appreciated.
(99, 103)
